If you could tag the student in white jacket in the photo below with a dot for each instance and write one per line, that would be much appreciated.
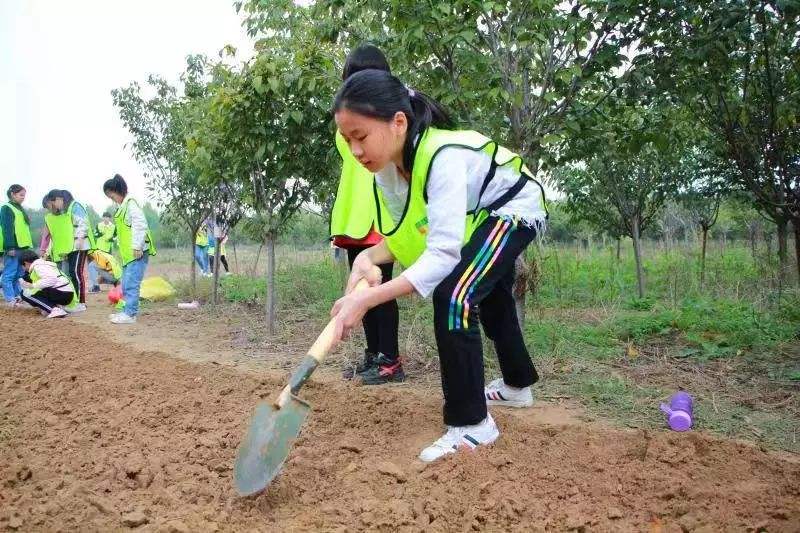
(456, 209)
(46, 286)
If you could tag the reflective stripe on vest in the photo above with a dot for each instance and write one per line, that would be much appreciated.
(406, 239)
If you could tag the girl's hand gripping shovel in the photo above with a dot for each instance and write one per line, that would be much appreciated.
(274, 427)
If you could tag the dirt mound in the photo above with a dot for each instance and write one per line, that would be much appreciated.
(103, 438)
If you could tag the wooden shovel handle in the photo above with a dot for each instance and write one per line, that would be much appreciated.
(319, 350)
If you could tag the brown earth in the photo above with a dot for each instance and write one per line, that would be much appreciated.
(106, 436)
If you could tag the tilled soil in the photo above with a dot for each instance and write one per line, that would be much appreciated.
(98, 436)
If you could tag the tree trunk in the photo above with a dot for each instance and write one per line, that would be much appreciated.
(753, 242)
(783, 250)
(270, 242)
(796, 224)
(637, 252)
(233, 245)
(619, 249)
(258, 256)
(703, 257)
(193, 275)
(340, 255)
(217, 253)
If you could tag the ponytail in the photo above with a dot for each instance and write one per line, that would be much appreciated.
(117, 185)
(378, 94)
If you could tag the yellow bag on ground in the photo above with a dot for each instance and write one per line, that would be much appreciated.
(156, 288)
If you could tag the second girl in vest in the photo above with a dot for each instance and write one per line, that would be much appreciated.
(352, 228)
(70, 239)
(456, 210)
(135, 244)
(105, 232)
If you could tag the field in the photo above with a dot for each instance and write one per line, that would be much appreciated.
(105, 428)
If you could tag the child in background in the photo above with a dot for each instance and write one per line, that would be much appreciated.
(104, 233)
(222, 259)
(211, 250)
(70, 238)
(14, 239)
(135, 243)
(459, 209)
(103, 266)
(46, 286)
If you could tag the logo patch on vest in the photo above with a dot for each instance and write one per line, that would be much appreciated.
(422, 225)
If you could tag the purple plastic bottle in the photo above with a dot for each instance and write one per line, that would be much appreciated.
(679, 411)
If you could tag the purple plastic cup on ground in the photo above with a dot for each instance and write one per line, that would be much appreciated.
(679, 411)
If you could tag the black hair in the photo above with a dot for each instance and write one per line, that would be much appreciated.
(27, 256)
(364, 57)
(14, 189)
(379, 94)
(106, 214)
(45, 200)
(59, 193)
(116, 184)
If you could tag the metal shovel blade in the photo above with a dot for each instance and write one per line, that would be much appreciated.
(266, 445)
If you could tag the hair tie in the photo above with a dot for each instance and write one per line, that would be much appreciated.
(411, 92)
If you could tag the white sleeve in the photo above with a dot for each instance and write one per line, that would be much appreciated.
(446, 210)
(138, 224)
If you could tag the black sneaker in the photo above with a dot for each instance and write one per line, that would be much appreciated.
(95, 289)
(350, 371)
(384, 370)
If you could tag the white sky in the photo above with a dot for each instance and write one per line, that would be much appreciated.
(59, 61)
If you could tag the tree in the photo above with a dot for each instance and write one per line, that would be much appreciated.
(159, 126)
(272, 119)
(734, 64)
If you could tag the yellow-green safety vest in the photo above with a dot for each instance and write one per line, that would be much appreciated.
(125, 234)
(62, 231)
(64, 282)
(105, 238)
(353, 212)
(406, 239)
(22, 231)
(201, 237)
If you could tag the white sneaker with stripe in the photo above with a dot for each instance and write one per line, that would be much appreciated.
(461, 438)
(498, 393)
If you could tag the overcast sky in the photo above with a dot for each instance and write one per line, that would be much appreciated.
(59, 61)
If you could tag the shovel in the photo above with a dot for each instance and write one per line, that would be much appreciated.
(275, 426)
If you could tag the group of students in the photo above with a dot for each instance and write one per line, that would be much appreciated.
(205, 248)
(53, 280)
(455, 209)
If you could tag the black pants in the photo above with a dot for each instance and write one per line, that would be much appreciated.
(480, 289)
(381, 322)
(46, 299)
(76, 263)
(222, 259)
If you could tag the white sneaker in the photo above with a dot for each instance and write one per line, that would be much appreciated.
(57, 312)
(461, 438)
(77, 308)
(123, 318)
(498, 393)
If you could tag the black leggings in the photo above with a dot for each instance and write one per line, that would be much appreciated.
(76, 263)
(382, 321)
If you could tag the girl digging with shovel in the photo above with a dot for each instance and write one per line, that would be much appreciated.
(456, 210)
